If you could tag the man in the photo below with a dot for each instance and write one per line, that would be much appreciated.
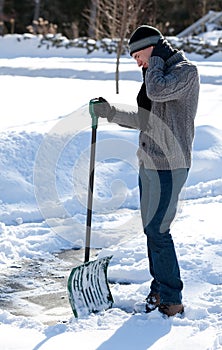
(167, 105)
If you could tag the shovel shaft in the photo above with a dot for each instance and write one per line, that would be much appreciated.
(90, 194)
(91, 177)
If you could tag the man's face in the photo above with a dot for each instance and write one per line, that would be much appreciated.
(142, 57)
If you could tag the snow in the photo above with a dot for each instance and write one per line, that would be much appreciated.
(45, 142)
(212, 36)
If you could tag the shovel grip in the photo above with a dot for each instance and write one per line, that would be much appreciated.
(92, 112)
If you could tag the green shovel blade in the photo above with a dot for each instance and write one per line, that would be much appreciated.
(88, 287)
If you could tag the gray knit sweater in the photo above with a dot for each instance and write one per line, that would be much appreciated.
(167, 131)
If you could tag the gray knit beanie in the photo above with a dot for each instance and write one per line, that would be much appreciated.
(143, 37)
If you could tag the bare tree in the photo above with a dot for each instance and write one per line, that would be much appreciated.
(122, 35)
(113, 19)
(129, 13)
(92, 17)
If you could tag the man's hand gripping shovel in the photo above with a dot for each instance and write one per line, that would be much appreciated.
(88, 287)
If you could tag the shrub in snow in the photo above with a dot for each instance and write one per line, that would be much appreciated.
(194, 44)
(202, 45)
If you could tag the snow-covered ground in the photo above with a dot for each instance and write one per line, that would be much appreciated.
(45, 142)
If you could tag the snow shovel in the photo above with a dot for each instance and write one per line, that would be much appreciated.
(88, 288)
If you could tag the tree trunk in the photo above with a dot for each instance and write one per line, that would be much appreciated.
(37, 10)
(1, 17)
(36, 15)
(92, 19)
(75, 29)
(122, 35)
(117, 71)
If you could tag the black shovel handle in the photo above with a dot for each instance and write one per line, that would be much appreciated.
(91, 177)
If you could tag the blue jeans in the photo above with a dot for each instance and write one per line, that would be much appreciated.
(159, 195)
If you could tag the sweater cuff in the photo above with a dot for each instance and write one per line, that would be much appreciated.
(111, 114)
